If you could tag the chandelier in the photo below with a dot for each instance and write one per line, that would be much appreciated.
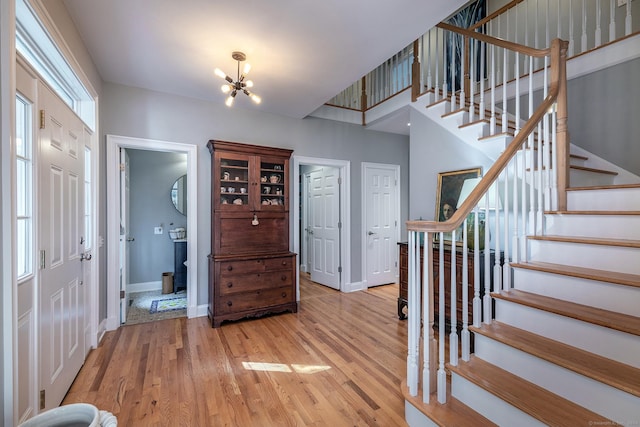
(240, 85)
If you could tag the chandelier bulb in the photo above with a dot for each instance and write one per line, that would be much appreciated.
(255, 98)
(229, 101)
(218, 72)
(248, 83)
(246, 69)
(225, 88)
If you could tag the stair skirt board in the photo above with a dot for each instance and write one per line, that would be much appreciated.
(615, 199)
(599, 340)
(607, 401)
(489, 405)
(609, 226)
(415, 418)
(604, 295)
(612, 258)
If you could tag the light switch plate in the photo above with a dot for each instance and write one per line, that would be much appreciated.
(157, 230)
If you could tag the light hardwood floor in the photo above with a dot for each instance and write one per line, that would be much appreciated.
(339, 361)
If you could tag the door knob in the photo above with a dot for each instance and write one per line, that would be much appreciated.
(130, 239)
(371, 233)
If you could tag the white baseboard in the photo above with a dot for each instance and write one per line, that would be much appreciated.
(144, 287)
(200, 311)
(354, 286)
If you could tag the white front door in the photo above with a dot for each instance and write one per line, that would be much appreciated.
(124, 233)
(324, 225)
(381, 212)
(61, 226)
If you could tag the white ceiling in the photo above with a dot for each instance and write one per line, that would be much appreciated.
(302, 52)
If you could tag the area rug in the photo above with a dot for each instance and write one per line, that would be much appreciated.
(139, 310)
(158, 306)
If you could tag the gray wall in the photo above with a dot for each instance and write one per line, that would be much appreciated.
(141, 113)
(151, 176)
(434, 150)
(604, 114)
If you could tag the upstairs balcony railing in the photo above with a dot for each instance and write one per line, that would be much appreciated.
(586, 24)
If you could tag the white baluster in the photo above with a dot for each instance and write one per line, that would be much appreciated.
(445, 67)
(413, 320)
(462, 97)
(584, 28)
(429, 342)
(477, 301)
(506, 271)
(532, 163)
(515, 251)
(429, 83)
(546, 153)
(627, 20)
(466, 337)
(598, 35)
(472, 78)
(536, 43)
(442, 374)
(505, 121)
(492, 69)
(554, 159)
(486, 301)
(436, 89)
(453, 335)
(612, 20)
(570, 49)
(453, 37)
(559, 29)
(497, 269)
(540, 188)
(546, 24)
(481, 105)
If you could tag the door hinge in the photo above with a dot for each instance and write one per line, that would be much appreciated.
(339, 181)
(121, 167)
(42, 119)
(340, 269)
(339, 225)
(121, 294)
(42, 259)
(42, 400)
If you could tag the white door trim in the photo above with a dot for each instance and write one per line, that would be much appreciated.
(345, 215)
(363, 222)
(114, 143)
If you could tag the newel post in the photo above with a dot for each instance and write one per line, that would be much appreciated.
(415, 72)
(559, 60)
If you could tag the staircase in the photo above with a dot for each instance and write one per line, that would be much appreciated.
(564, 346)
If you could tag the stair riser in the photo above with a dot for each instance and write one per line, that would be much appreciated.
(598, 397)
(619, 199)
(488, 405)
(603, 341)
(580, 178)
(607, 296)
(415, 418)
(611, 226)
(610, 258)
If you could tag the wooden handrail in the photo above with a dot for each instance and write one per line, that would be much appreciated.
(557, 86)
(495, 14)
(539, 53)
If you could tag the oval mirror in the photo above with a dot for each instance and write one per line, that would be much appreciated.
(179, 194)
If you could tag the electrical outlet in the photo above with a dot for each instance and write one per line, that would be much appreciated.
(157, 230)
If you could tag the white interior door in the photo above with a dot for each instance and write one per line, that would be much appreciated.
(324, 225)
(124, 233)
(60, 214)
(380, 206)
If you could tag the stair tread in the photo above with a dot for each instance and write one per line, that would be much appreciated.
(605, 241)
(451, 413)
(549, 408)
(604, 187)
(617, 277)
(615, 374)
(597, 316)
(587, 169)
(591, 212)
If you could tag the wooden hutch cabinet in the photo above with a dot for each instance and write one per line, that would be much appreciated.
(251, 270)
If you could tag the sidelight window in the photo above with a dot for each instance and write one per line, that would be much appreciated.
(24, 188)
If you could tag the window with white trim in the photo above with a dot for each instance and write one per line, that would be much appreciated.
(24, 188)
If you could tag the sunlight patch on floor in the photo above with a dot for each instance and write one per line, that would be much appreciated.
(283, 367)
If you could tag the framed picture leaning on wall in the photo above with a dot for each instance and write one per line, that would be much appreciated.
(448, 193)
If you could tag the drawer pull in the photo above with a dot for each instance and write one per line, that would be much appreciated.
(284, 295)
(284, 262)
(283, 277)
(230, 285)
(229, 268)
(229, 303)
